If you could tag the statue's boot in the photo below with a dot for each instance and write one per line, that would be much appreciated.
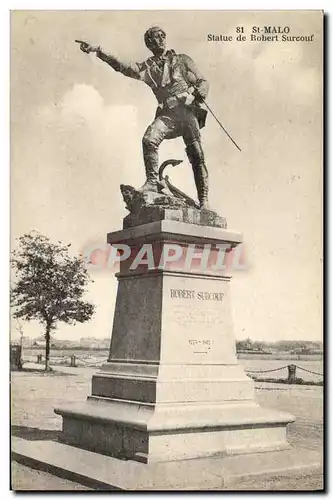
(196, 157)
(149, 186)
(150, 157)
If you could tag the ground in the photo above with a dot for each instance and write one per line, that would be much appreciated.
(34, 395)
(27, 479)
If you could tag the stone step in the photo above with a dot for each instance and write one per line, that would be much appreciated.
(103, 472)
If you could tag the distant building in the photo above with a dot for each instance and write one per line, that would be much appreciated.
(94, 343)
(39, 343)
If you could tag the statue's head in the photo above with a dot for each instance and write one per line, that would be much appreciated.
(155, 40)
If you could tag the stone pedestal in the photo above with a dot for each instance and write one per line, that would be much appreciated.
(172, 387)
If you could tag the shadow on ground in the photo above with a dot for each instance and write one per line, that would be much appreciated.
(34, 434)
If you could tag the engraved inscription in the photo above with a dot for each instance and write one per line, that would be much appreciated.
(188, 317)
(176, 293)
(201, 346)
(217, 296)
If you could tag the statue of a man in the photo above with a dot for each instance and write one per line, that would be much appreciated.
(180, 91)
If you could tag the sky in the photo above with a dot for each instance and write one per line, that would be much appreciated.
(76, 129)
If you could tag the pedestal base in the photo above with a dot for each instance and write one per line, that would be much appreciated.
(144, 433)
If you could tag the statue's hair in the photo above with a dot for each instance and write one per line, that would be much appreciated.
(149, 33)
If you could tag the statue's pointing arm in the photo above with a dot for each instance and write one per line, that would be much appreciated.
(199, 83)
(130, 69)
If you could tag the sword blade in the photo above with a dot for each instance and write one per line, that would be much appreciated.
(224, 130)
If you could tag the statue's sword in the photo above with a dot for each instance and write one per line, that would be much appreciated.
(218, 121)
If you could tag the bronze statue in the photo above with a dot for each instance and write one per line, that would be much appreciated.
(180, 91)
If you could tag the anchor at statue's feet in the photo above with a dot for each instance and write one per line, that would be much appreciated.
(158, 184)
(163, 185)
(161, 199)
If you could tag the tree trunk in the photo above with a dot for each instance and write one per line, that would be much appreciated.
(47, 348)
